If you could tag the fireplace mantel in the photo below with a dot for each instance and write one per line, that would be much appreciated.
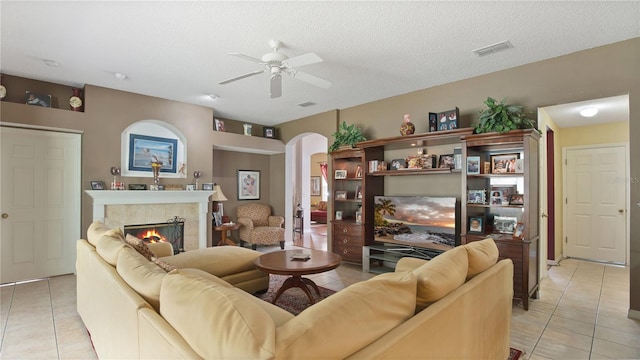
(102, 198)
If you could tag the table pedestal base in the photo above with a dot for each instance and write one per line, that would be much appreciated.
(299, 282)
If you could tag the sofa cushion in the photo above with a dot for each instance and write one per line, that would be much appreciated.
(367, 310)
(218, 322)
(142, 275)
(441, 275)
(95, 231)
(109, 245)
(322, 205)
(161, 248)
(409, 263)
(140, 246)
(482, 255)
(219, 261)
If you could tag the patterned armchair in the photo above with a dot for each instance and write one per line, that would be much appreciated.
(258, 226)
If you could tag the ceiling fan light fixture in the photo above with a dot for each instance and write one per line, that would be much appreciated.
(589, 111)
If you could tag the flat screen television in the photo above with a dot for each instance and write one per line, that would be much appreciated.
(421, 221)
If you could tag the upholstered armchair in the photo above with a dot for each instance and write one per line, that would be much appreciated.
(258, 226)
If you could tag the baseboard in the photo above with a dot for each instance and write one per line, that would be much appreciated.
(554, 262)
(634, 314)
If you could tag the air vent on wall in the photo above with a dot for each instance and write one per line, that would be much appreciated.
(306, 104)
(487, 50)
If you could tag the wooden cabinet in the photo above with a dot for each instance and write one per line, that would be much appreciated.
(489, 191)
(348, 241)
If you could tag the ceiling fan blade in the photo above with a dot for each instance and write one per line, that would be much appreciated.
(246, 57)
(241, 77)
(302, 60)
(313, 80)
(276, 86)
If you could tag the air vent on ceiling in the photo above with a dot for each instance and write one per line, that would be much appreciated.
(306, 104)
(487, 50)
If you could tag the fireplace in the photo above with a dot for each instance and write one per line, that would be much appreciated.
(171, 231)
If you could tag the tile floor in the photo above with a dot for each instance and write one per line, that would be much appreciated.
(581, 314)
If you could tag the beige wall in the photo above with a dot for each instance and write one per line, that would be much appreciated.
(583, 75)
(314, 168)
(609, 133)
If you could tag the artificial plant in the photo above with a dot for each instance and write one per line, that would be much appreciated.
(346, 135)
(501, 118)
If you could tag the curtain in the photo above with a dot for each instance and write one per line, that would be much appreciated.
(323, 169)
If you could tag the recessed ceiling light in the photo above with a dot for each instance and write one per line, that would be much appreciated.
(120, 76)
(589, 112)
(52, 63)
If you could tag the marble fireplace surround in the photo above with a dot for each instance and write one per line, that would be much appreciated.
(117, 208)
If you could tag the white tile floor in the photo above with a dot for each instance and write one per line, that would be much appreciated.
(581, 314)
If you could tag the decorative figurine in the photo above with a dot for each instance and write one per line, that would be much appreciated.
(407, 127)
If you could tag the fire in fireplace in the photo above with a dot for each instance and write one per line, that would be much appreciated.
(171, 231)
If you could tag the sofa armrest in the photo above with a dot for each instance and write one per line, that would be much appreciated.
(160, 249)
(246, 223)
(409, 264)
(276, 221)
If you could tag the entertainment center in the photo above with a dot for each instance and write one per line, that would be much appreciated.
(494, 183)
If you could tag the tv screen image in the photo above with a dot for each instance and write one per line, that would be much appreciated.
(416, 220)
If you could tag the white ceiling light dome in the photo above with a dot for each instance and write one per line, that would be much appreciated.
(589, 112)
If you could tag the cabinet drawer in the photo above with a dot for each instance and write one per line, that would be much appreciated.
(347, 229)
(346, 240)
(348, 253)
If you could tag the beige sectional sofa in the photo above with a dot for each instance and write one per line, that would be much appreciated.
(455, 306)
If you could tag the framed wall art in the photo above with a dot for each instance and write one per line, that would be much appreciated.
(248, 185)
(316, 188)
(144, 150)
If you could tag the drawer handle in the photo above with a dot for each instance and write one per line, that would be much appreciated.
(345, 240)
(345, 252)
(344, 230)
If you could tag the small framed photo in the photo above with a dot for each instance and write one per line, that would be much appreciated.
(518, 233)
(137, 186)
(339, 215)
(452, 118)
(97, 185)
(247, 129)
(476, 196)
(219, 125)
(473, 165)
(341, 195)
(476, 225)
(341, 174)
(496, 197)
(207, 186)
(316, 188)
(191, 187)
(516, 199)
(505, 224)
(442, 121)
(519, 166)
(433, 122)
(358, 194)
(269, 132)
(503, 164)
(37, 99)
(486, 167)
(397, 164)
(446, 161)
(358, 171)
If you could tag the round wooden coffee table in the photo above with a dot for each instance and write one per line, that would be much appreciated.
(280, 263)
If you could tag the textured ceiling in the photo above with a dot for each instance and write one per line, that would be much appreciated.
(371, 50)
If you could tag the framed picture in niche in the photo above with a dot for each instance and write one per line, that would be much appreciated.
(269, 132)
(37, 99)
(218, 125)
(248, 185)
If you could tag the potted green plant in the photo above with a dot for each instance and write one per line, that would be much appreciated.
(501, 118)
(347, 135)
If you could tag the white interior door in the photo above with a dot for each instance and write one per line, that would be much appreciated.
(595, 201)
(40, 203)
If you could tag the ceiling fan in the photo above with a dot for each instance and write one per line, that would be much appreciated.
(276, 63)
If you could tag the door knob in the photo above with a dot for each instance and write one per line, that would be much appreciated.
(620, 211)
(5, 215)
(544, 215)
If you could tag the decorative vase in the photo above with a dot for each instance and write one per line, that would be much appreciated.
(407, 127)
(75, 101)
(155, 167)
